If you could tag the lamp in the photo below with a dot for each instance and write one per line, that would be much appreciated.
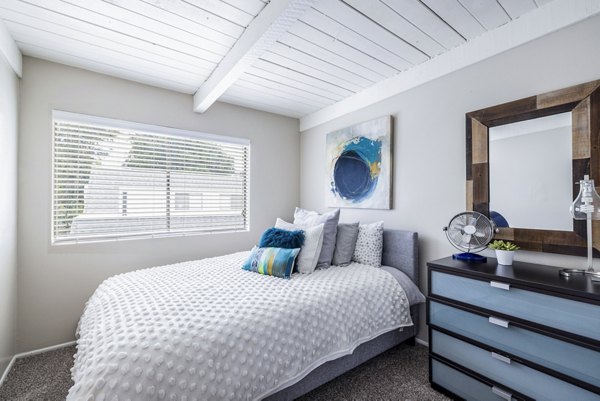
(586, 207)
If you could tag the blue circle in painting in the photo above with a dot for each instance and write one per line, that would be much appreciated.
(352, 176)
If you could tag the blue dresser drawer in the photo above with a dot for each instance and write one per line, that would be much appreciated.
(572, 360)
(564, 314)
(521, 378)
(465, 386)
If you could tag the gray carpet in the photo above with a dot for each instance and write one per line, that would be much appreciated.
(43, 377)
(398, 374)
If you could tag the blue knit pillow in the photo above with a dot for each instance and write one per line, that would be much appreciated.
(278, 262)
(278, 238)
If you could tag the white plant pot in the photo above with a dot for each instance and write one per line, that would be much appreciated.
(505, 257)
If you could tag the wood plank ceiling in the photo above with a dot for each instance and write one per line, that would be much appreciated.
(337, 48)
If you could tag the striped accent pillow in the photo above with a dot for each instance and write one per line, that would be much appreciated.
(278, 262)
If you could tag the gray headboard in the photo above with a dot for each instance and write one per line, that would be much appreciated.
(401, 250)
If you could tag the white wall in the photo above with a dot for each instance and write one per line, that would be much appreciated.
(429, 144)
(9, 100)
(55, 281)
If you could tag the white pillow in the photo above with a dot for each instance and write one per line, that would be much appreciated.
(313, 241)
(330, 220)
(369, 244)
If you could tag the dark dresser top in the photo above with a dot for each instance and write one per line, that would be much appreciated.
(541, 277)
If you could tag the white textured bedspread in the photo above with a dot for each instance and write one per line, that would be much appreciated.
(208, 330)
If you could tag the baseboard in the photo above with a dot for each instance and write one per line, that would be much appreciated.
(46, 349)
(422, 342)
(8, 367)
(31, 353)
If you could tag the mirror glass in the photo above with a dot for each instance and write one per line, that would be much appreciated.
(530, 174)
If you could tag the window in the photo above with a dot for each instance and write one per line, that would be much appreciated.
(115, 179)
(124, 209)
(182, 200)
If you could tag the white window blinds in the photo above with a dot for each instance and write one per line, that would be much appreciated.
(114, 180)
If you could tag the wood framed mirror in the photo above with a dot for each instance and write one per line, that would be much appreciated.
(532, 174)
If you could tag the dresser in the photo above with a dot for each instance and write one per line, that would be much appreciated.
(517, 332)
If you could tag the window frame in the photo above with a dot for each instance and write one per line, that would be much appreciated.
(149, 129)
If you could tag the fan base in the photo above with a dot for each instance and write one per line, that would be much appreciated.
(469, 257)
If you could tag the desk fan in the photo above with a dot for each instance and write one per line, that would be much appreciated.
(470, 232)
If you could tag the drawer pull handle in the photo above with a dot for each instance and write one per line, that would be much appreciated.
(498, 322)
(501, 393)
(501, 358)
(502, 286)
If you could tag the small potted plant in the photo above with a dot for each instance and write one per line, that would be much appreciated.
(505, 251)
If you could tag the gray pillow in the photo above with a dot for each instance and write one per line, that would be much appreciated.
(344, 244)
(330, 220)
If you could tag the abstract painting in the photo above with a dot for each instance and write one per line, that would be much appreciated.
(359, 165)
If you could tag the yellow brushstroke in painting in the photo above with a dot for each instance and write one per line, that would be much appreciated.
(375, 168)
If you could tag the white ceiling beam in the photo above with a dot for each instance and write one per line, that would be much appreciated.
(10, 51)
(549, 18)
(272, 23)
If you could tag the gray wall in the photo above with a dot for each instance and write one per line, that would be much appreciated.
(9, 100)
(55, 281)
(429, 151)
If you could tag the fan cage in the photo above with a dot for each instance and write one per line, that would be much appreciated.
(478, 241)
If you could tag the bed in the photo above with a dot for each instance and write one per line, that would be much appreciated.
(207, 330)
